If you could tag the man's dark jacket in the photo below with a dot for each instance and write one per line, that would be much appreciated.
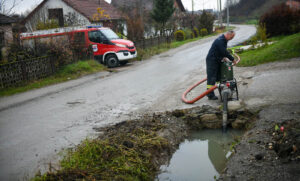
(218, 51)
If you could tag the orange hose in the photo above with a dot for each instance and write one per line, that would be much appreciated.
(183, 97)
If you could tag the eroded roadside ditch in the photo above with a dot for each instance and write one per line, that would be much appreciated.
(136, 149)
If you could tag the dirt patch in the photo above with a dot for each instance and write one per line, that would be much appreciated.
(286, 138)
(266, 151)
(135, 149)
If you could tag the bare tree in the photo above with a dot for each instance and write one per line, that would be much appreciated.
(7, 6)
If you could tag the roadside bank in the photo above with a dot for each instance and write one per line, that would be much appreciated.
(268, 153)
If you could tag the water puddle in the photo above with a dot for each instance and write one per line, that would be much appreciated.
(202, 156)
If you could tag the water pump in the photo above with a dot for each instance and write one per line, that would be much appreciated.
(227, 87)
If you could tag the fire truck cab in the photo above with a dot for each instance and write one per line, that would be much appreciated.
(108, 48)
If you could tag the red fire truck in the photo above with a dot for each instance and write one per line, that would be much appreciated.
(107, 46)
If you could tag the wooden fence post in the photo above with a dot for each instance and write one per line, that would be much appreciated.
(143, 42)
(23, 70)
(1, 81)
(52, 64)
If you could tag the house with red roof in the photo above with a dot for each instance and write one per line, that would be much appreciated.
(74, 13)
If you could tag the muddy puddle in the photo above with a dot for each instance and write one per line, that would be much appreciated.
(202, 156)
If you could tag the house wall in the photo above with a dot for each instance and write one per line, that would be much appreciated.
(7, 39)
(8, 34)
(70, 15)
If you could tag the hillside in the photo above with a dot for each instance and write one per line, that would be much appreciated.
(248, 9)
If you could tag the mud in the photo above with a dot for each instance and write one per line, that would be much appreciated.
(265, 152)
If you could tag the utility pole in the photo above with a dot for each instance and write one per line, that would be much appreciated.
(218, 10)
(219, 3)
(141, 7)
(192, 23)
(193, 7)
(221, 16)
(227, 13)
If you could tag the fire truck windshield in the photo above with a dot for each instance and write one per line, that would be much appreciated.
(109, 34)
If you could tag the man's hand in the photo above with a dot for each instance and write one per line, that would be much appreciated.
(238, 59)
(234, 62)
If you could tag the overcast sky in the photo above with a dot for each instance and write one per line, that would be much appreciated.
(24, 5)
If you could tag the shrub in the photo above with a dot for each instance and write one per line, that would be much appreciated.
(281, 20)
(196, 32)
(262, 33)
(206, 21)
(62, 52)
(189, 34)
(203, 32)
(48, 24)
(179, 35)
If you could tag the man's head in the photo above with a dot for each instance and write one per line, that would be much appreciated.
(229, 35)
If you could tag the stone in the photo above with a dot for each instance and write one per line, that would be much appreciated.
(234, 105)
(239, 123)
(211, 121)
(194, 121)
(247, 75)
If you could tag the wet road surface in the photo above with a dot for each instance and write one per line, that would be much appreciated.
(33, 132)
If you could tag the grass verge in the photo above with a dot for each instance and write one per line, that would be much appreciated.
(285, 47)
(252, 22)
(126, 155)
(65, 73)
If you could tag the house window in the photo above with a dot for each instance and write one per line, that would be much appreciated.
(58, 15)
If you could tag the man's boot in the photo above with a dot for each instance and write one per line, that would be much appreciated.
(212, 96)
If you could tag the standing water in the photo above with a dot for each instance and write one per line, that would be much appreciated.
(202, 156)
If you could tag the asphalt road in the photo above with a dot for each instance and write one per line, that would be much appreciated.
(33, 132)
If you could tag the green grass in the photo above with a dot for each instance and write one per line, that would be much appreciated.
(122, 156)
(252, 22)
(65, 73)
(284, 48)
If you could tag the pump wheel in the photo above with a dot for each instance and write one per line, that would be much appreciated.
(111, 61)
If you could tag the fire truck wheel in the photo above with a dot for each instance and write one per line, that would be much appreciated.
(111, 61)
